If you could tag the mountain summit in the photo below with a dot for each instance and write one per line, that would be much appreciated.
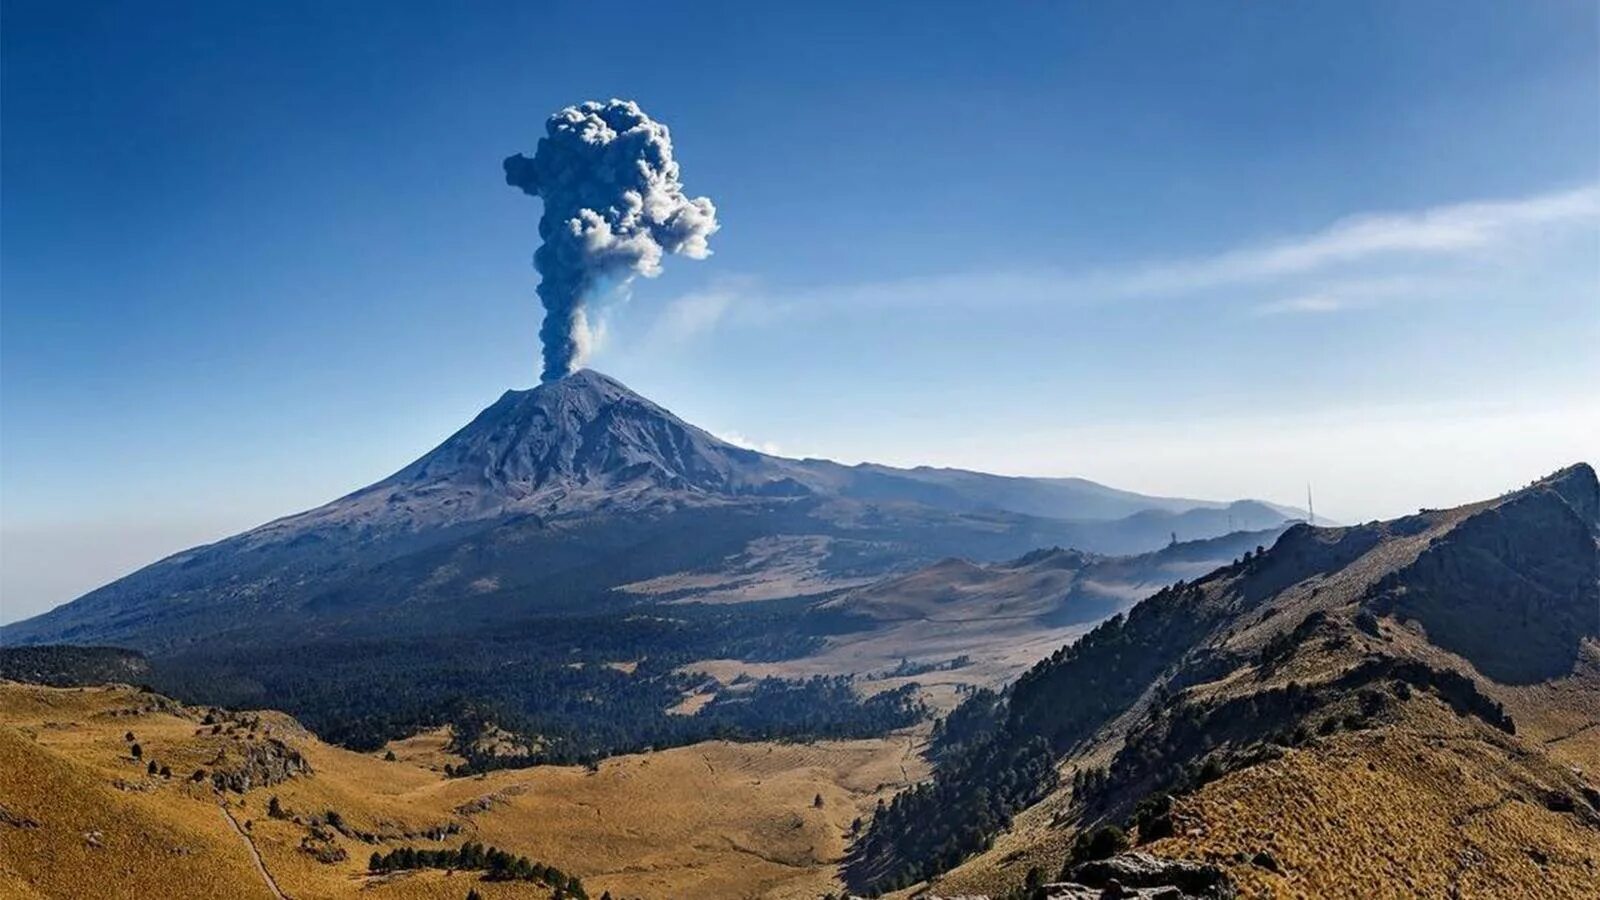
(583, 432)
(564, 447)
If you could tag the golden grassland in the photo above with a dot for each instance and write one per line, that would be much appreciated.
(1431, 805)
(79, 817)
(1436, 808)
(1408, 814)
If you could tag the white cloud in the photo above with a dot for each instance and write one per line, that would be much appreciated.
(739, 440)
(1305, 303)
(1439, 231)
(1360, 293)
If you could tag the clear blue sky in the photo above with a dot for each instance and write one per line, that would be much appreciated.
(256, 255)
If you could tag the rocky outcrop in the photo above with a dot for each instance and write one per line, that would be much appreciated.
(259, 765)
(1141, 876)
(1513, 588)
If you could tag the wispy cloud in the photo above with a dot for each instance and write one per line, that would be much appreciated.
(1439, 231)
(739, 440)
(1356, 262)
(1359, 293)
(693, 314)
(1305, 303)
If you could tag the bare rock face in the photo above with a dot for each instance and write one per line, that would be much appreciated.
(1141, 876)
(261, 765)
(587, 430)
(1513, 588)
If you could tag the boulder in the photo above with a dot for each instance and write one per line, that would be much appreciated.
(267, 763)
(1141, 876)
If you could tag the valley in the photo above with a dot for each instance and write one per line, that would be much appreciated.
(714, 819)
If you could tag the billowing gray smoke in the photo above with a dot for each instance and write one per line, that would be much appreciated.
(613, 207)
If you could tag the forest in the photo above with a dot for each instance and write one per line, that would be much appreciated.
(575, 689)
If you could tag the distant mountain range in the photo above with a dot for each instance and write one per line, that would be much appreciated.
(553, 496)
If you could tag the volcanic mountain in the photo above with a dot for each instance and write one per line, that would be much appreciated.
(553, 496)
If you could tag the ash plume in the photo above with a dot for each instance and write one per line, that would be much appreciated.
(613, 208)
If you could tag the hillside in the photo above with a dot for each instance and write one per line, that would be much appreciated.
(70, 666)
(81, 817)
(1395, 708)
(569, 528)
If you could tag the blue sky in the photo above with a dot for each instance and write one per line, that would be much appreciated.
(253, 256)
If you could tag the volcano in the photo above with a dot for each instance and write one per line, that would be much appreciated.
(553, 497)
(567, 447)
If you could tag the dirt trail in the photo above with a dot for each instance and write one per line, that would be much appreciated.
(1571, 734)
(261, 866)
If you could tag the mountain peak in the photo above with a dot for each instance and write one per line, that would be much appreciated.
(573, 445)
(1580, 488)
(583, 393)
(580, 383)
(583, 431)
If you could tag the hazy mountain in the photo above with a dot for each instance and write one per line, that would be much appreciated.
(1053, 584)
(1437, 674)
(552, 496)
(997, 619)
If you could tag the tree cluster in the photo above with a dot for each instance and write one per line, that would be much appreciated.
(496, 864)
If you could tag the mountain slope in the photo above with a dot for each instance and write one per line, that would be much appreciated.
(493, 583)
(552, 496)
(1375, 644)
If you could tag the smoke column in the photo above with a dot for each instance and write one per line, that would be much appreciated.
(613, 207)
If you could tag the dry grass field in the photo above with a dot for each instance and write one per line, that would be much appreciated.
(80, 817)
(1433, 806)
